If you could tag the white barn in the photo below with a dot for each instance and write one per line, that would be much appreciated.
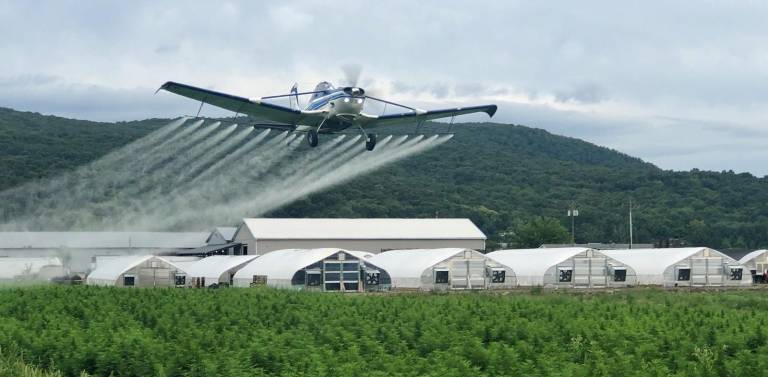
(137, 271)
(444, 269)
(684, 267)
(261, 236)
(329, 270)
(217, 269)
(13, 270)
(572, 267)
(756, 263)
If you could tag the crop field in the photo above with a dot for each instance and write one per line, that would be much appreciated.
(246, 332)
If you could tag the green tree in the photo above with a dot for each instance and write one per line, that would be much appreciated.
(539, 230)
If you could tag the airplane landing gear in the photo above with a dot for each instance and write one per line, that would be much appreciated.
(370, 142)
(312, 138)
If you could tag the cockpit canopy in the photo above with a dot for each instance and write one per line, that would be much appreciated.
(324, 88)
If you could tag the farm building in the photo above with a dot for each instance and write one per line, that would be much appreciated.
(217, 269)
(756, 263)
(77, 249)
(688, 267)
(137, 271)
(261, 236)
(30, 269)
(443, 269)
(326, 269)
(574, 267)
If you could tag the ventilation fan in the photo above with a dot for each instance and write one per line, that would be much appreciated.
(372, 278)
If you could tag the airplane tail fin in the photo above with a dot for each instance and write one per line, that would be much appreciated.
(295, 97)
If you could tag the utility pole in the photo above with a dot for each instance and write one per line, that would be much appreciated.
(630, 223)
(572, 213)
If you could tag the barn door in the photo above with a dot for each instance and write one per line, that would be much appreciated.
(459, 274)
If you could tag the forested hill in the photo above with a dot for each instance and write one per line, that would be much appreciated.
(498, 175)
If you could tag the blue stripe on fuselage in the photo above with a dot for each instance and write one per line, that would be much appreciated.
(322, 101)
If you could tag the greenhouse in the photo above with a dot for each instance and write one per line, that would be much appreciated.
(217, 269)
(137, 271)
(686, 267)
(568, 267)
(443, 269)
(30, 269)
(756, 263)
(330, 270)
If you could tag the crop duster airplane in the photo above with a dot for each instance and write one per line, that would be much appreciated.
(329, 110)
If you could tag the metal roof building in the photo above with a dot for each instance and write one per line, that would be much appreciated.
(216, 269)
(76, 249)
(328, 269)
(686, 266)
(138, 271)
(574, 267)
(261, 235)
(443, 269)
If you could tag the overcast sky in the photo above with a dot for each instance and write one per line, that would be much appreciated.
(680, 84)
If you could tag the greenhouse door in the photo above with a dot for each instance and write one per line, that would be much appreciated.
(468, 274)
(342, 275)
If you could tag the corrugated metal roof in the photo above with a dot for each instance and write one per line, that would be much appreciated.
(102, 240)
(227, 232)
(534, 262)
(412, 263)
(354, 229)
(282, 264)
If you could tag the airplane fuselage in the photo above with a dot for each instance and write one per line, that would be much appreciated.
(342, 107)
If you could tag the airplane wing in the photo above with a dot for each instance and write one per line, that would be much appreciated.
(274, 115)
(415, 116)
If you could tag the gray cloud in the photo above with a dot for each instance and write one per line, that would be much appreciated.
(642, 78)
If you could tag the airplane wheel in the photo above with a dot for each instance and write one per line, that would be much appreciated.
(370, 142)
(312, 138)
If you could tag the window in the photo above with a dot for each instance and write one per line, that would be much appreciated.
(351, 276)
(332, 286)
(736, 273)
(129, 280)
(314, 279)
(498, 275)
(332, 276)
(333, 266)
(351, 266)
(565, 275)
(619, 274)
(441, 277)
(180, 280)
(683, 274)
(351, 286)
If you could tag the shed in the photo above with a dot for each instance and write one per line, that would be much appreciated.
(443, 269)
(757, 264)
(137, 271)
(217, 269)
(261, 236)
(30, 269)
(330, 270)
(687, 266)
(573, 267)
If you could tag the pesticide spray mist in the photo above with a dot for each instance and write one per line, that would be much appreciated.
(192, 174)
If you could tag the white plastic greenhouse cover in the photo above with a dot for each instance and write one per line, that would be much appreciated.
(649, 262)
(12, 267)
(283, 264)
(749, 257)
(411, 263)
(532, 264)
(211, 268)
(109, 269)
